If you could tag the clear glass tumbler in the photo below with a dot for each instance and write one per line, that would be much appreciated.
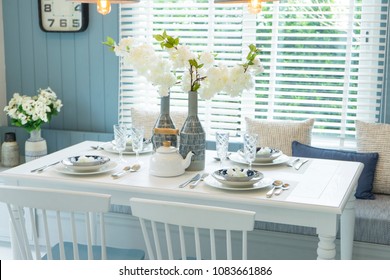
(137, 140)
(120, 136)
(250, 143)
(222, 145)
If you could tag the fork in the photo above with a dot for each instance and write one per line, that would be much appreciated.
(194, 184)
(294, 161)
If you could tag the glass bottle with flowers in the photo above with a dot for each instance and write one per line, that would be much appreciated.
(30, 113)
(200, 75)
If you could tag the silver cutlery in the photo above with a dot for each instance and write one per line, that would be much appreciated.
(194, 184)
(125, 170)
(294, 161)
(299, 164)
(281, 189)
(276, 184)
(40, 169)
(193, 179)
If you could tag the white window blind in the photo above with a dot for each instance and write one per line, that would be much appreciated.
(323, 59)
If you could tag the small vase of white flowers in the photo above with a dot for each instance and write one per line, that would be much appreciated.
(30, 113)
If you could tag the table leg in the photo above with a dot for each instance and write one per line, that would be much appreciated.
(347, 228)
(326, 247)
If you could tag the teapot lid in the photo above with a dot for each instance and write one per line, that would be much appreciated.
(166, 148)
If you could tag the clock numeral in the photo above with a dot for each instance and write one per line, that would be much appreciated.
(47, 8)
(76, 23)
(63, 23)
(51, 21)
(77, 7)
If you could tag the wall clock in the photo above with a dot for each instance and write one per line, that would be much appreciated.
(62, 16)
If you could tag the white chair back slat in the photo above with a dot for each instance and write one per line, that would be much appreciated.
(74, 237)
(103, 236)
(229, 245)
(169, 241)
(202, 217)
(156, 240)
(15, 221)
(212, 245)
(89, 236)
(47, 235)
(147, 239)
(60, 235)
(64, 204)
(244, 248)
(182, 243)
(197, 244)
(37, 248)
(24, 234)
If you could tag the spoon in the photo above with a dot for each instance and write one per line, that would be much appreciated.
(275, 184)
(126, 169)
(281, 188)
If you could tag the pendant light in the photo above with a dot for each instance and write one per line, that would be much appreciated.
(104, 6)
(254, 6)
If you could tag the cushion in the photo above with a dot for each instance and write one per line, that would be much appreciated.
(280, 134)
(148, 117)
(365, 183)
(375, 137)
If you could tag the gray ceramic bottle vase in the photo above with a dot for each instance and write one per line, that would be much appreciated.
(192, 135)
(164, 121)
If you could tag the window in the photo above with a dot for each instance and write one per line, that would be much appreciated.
(323, 59)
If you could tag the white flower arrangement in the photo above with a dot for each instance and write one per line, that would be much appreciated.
(203, 74)
(31, 112)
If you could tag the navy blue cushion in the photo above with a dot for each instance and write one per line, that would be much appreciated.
(112, 253)
(364, 188)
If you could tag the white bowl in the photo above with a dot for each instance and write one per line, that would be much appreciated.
(85, 163)
(252, 177)
(266, 154)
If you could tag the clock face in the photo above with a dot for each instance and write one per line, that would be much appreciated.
(62, 16)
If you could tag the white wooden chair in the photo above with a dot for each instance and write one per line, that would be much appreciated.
(57, 214)
(196, 217)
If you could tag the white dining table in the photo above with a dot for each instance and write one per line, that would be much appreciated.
(321, 193)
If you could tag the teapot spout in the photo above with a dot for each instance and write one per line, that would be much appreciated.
(187, 160)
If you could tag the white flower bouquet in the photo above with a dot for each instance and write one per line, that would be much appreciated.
(31, 112)
(201, 73)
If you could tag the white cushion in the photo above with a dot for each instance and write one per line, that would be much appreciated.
(280, 134)
(375, 137)
(147, 117)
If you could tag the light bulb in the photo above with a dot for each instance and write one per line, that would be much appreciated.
(254, 6)
(103, 7)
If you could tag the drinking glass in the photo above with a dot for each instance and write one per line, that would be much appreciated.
(137, 140)
(222, 145)
(120, 135)
(250, 142)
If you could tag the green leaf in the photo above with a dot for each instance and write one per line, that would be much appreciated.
(158, 37)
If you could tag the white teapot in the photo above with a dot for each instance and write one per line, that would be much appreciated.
(167, 162)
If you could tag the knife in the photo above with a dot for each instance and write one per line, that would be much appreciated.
(193, 179)
(40, 169)
(299, 164)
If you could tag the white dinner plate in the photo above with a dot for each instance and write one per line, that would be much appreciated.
(105, 168)
(235, 157)
(148, 148)
(212, 182)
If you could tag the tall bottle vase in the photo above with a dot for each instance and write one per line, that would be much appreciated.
(164, 121)
(193, 136)
(35, 146)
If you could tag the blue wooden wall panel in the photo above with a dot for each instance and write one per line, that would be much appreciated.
(75, 65)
